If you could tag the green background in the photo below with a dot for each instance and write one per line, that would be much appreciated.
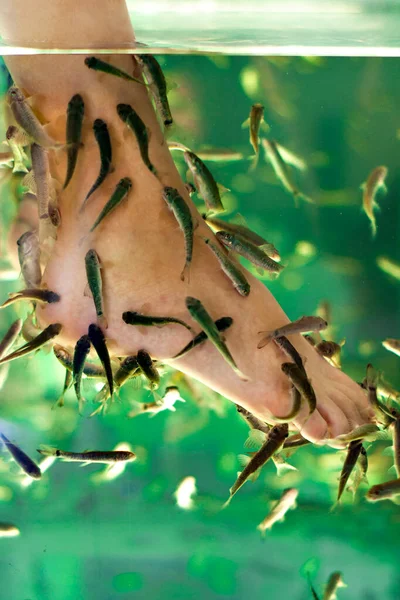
(127, 538)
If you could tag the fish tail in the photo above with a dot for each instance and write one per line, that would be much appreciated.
(226, 504)
(103, 323)
(241, 375)
(254, 162)
(46, 450)
(266, 339)
(186, 272)
(373, 227)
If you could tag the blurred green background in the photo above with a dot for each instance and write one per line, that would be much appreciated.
(81, 538)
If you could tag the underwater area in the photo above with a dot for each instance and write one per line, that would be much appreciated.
(102, 533)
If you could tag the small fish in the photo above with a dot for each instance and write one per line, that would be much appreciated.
(278, 512)
(22, 460)
(90, 370)
(8, 530)
(392, 345)
(389, 266)
(109, 457)
(302, 325)
(396, 445)
(281, 169)
(134, 318)
(113, 471)
(384, 491)
(275, 439)
(375, 181)
(26, 118)
(368, 431)
(10, 337)
(157, 84)
(256, 118)
(353, 452)
(296, 406)
(145, 362)
(135, 123)
(103, 67)
(41, 173)
(38, 295)
(121, 191)
(221, 324)
(231, 270)
(220, 155)
(75, 113)
(98, 341)
(295, 441)
(248, 250)
(93, 274)
(205, 183)
(360, 474)
(253, 421)
(335, 581)
(128, 368)
(167, 402)
(40, 340)
(246, 233)
(17, 140)
(103, 140)
(184, 217)
(300, 381)
(287, 347)
(201, 316)
(314, 593)
(330, 350)
(82, 349)
(68, 381)
(370, 384)
(184, 493)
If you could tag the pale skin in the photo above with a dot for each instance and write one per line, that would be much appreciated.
(140, 244)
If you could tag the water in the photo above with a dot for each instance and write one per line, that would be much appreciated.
(127, 538)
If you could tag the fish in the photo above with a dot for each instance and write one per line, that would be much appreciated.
(368, 431)
(360, 474)
(113, 471)
(392, 345)
(256, 118)
(68, 381)
(248, 250)
(246, 233)
(201, 316)
(389, 266)
(135, 123)
(81, 352)
(103, 140)
(281, 170)
(220, 155)
(295, 441)
(370, 384)
(253, 421)
(314, 593)
(27, 464)
(302, 325)
(335, 581)
(90, 370)
(375, 182)
(301, 382)
(182, 214)
(9, 338)
(145, 362)
(40, 340)
(93, 274)
(231, 270)
(25, 117)
(296, 406)
(98, 341)
(275, 439)
(121, 191)
(128, 368)
(384, 491)
(157, 84)
(38, 295)
(184, 492)
(396, 445)
(278, 512)
(103, 67)
(109, 457)
(17, 140)
(75, 114)
(221, 324)
(205, 183)
(41, 173)
(330, 350)
(287, 347)
(167, 402)
(353, 452)
(8, 530)
(134, 318)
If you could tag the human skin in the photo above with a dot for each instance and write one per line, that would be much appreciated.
(140, 244)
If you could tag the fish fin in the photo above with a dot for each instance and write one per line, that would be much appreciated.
(254, 476)
(227, 503)
(254, 163)
(47, 450)
(392, 470)
(85, 464)
(259, 270)
(171, 85)
(268, 335)
(362, 187)
(388, 451)
(246, 123)
(305, 198)
(243, 460)
(102, 321)
(283, 468)
(87, 292)
(264, 126)
(255, 439)
(222, 189)
(334, 506)
(185, 274)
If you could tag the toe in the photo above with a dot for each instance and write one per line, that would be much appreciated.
(313, 428)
